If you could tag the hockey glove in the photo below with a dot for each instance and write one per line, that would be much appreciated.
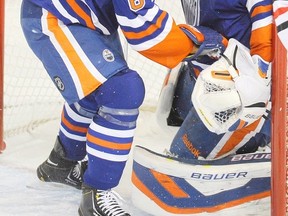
(231, 93)
(253, 84)
(209, 42)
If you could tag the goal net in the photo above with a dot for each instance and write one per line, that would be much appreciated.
(30, 98)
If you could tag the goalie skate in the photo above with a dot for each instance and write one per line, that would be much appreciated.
(166, 186)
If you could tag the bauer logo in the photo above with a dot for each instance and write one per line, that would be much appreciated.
(59, 83)
(108, 55)
(219, 176)
(249, 157)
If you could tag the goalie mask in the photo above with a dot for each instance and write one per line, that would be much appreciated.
(230, 94)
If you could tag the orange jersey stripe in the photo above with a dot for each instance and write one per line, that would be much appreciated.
(107, 144)
(261, 43)
(261, 9)
(280, 11)
(171, 51)
(148, 31)
(83, 73)
(80, 12)
(71, 126)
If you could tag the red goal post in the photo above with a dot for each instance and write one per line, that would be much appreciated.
(279, 131)
(2, 13)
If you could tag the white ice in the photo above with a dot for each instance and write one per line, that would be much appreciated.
(21, 193)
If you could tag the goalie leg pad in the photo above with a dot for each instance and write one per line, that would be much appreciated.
(182, 97)
(169, 186)
(193, 140)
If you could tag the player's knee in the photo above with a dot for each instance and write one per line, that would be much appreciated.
(120, 97)
(125, 90)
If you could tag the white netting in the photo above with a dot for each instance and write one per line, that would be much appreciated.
(30, 98)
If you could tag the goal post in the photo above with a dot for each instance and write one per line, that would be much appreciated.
(279, 130)
(2, 16)
(279, 127)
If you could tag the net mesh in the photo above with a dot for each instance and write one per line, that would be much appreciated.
(30, 97)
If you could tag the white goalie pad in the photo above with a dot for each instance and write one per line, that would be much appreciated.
(167, 186)
(227, 99)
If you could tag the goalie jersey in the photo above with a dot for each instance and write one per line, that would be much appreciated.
(248, 21)
(148, 29)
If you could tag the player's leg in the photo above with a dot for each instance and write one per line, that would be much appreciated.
(184, 85)
(98, 64)
(194, 140)
(62, 165)
(110, 137)
(261, 139)
(182, 96)
(72, 63)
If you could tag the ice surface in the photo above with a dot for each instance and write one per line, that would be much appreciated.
(21, 193)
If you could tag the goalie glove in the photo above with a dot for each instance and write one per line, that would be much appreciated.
(231, 93)
(209, 42)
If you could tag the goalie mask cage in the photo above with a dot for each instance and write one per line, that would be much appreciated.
(30, 99)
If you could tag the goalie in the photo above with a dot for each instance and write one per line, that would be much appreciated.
(228, 111)
(221, 107)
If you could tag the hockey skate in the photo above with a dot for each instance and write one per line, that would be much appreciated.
(100, 202)
(60, 170)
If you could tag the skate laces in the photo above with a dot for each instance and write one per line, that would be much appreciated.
(109, 202)
(76, 172)
(75, 175)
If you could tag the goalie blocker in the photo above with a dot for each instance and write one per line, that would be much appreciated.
(166, 186)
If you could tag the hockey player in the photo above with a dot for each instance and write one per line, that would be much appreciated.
(78, 44)
(250, 23)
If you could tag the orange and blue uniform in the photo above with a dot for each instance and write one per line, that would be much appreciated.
(250, 22)
(202, 155)
(79, 46)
